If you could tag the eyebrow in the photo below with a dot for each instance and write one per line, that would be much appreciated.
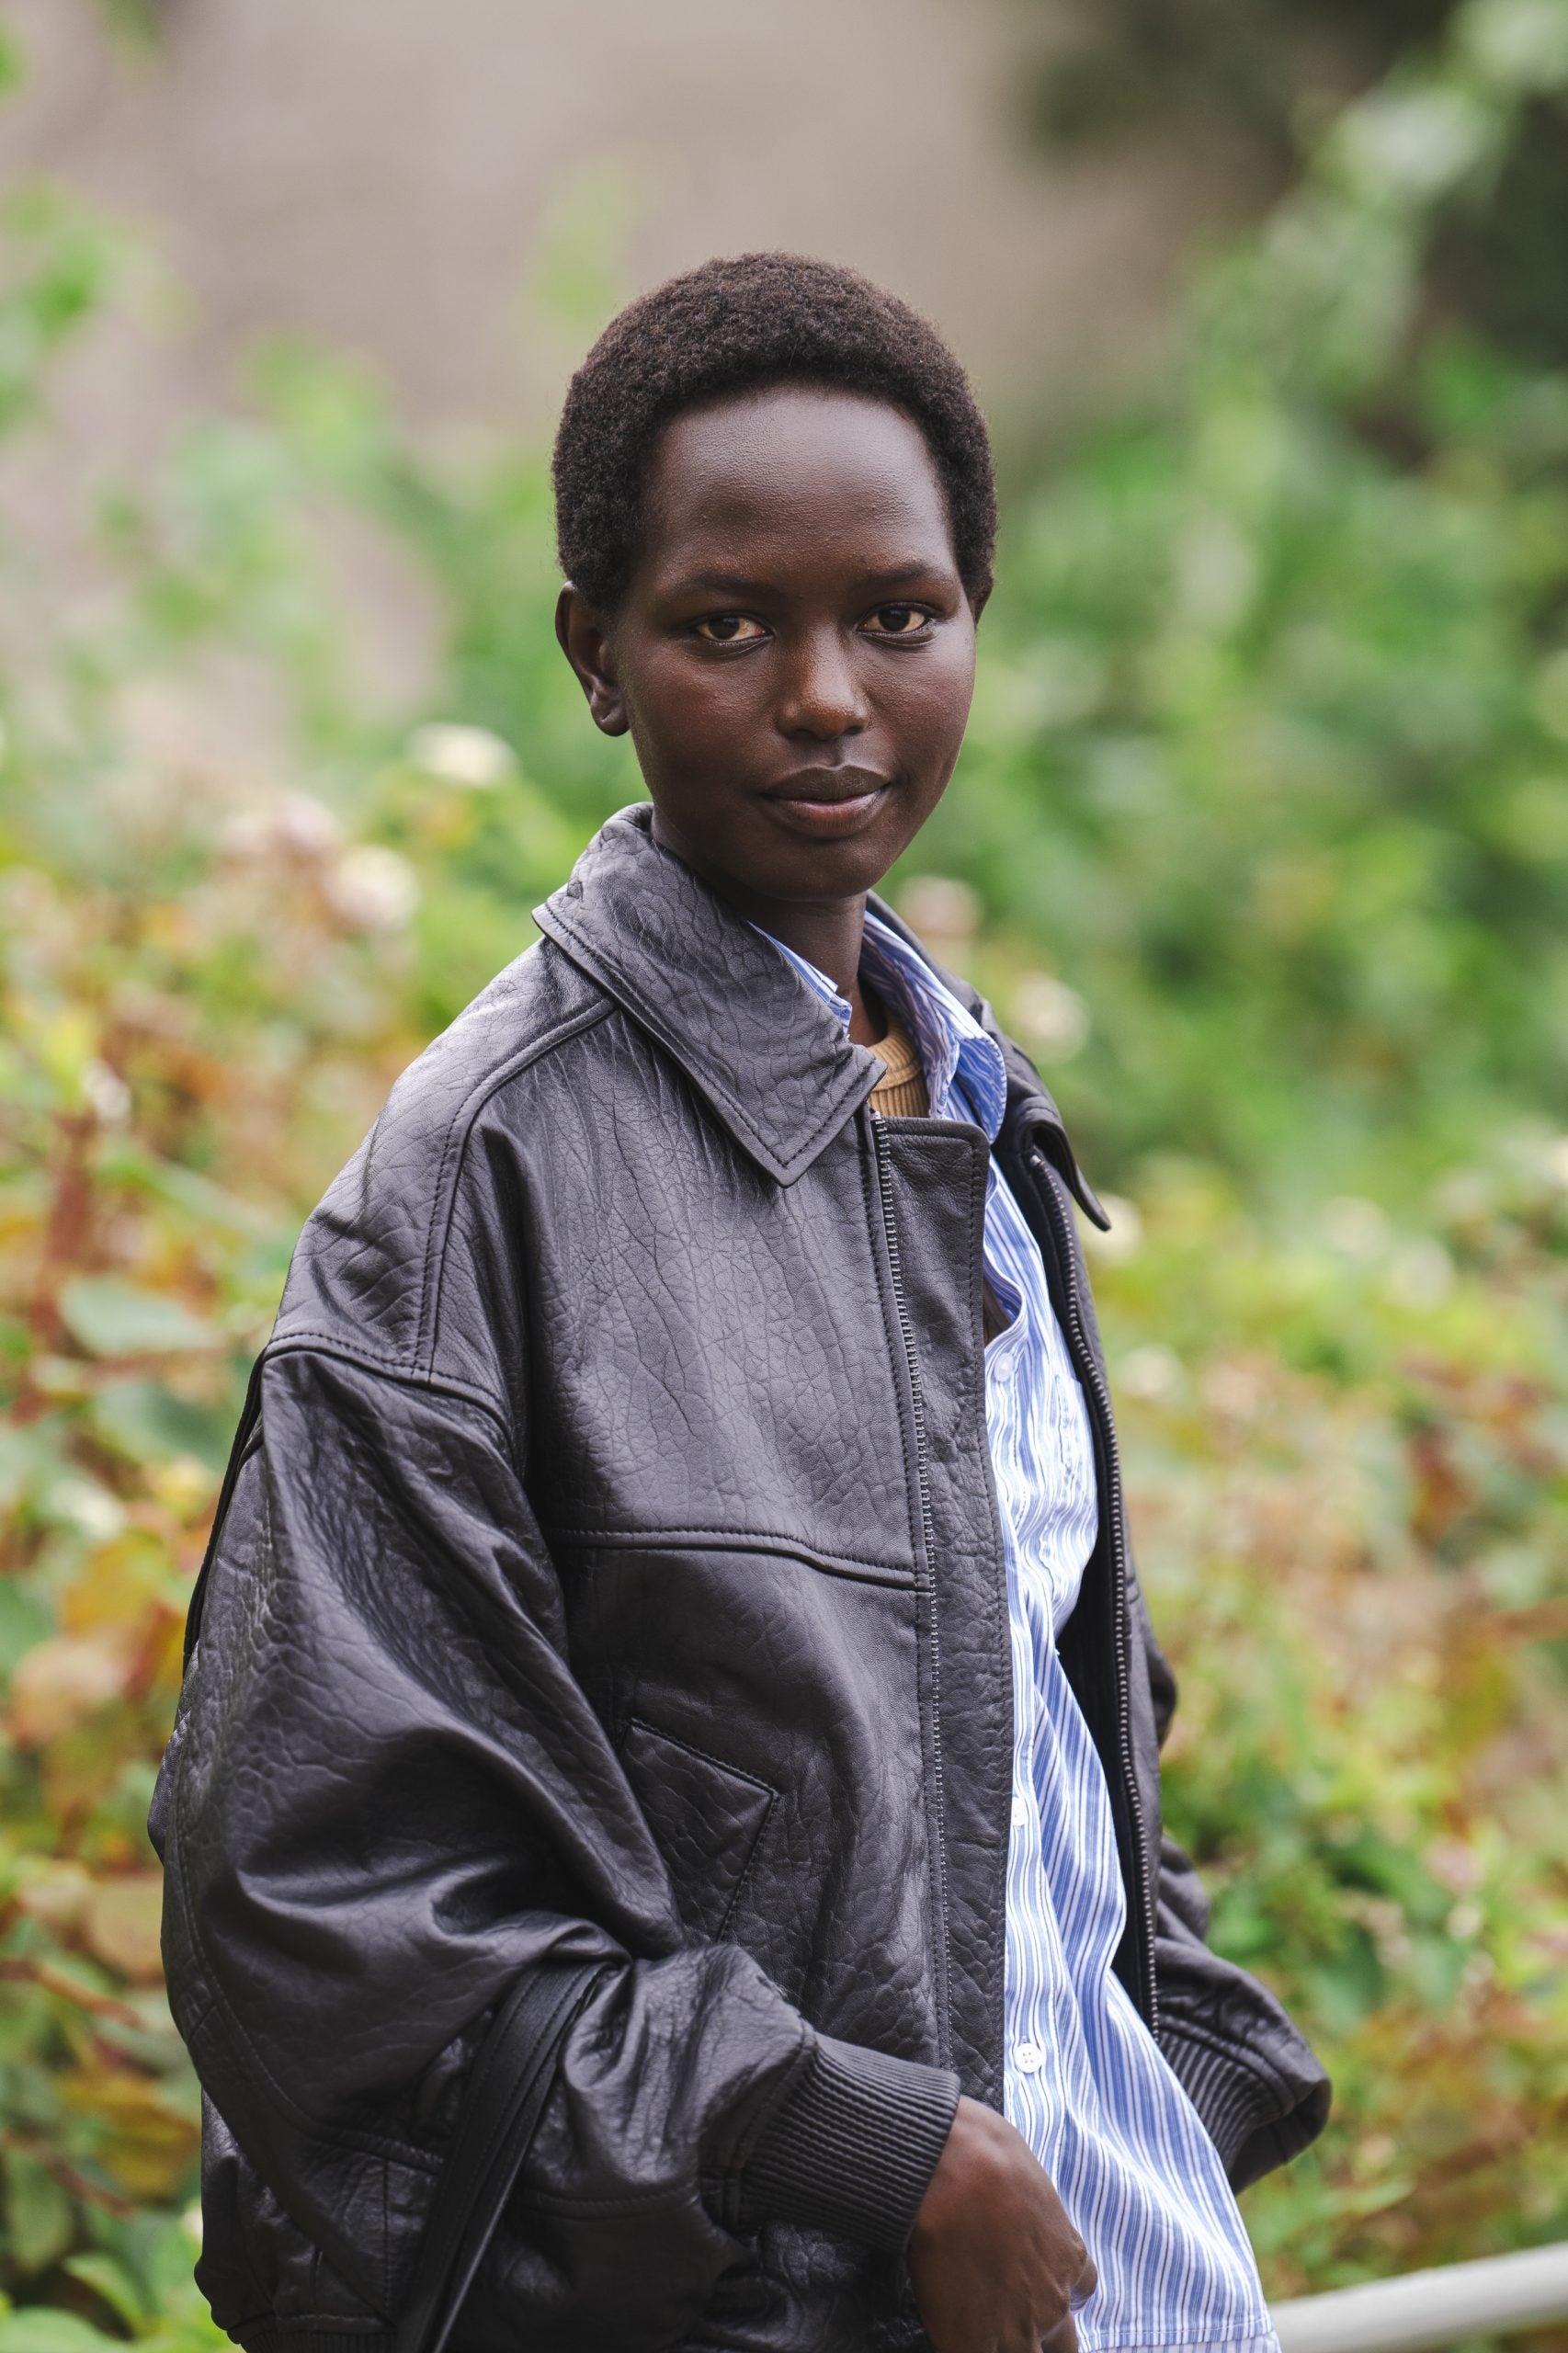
(901, 574)
(718, 584)
(734, 583)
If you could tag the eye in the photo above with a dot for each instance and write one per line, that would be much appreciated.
(897, 620)
(729, 628)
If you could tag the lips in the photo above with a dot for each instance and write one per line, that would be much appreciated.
(828, 804)
(828, 788)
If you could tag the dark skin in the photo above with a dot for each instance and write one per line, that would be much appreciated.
(794, 660)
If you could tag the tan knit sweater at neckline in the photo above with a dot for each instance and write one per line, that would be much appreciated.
(901, 1091)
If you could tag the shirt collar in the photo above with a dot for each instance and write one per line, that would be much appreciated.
(965, 1074)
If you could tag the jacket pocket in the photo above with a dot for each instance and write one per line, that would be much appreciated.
(706, 1819)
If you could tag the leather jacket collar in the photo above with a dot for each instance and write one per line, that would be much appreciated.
(766, 1054)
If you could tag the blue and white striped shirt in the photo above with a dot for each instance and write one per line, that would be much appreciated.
(1084, 2082)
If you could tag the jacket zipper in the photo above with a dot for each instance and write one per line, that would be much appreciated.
(1094, 1382)
(918, 1407)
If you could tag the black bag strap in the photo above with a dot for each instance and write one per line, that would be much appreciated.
(244, 1438)
(507, 2087)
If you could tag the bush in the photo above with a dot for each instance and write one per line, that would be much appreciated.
(1259, 834)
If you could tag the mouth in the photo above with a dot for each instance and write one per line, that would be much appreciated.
(828, 800)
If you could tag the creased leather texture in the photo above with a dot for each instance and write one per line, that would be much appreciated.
(611, 1576)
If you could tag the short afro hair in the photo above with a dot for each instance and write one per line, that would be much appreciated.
(739, 326)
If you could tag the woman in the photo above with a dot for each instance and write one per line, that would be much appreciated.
(668, 1780)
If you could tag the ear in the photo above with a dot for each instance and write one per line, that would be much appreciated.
(585, 638)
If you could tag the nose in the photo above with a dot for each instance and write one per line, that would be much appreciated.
(822, 693)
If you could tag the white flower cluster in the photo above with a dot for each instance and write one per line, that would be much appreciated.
(365, 886)
(1049, 1017)
(471, 757)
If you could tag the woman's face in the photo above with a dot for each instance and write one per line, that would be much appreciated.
(794, 657)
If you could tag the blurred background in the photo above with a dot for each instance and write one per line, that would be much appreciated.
(1260, 842)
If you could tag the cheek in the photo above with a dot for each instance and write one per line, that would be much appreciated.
(929, 706)
(684, 707)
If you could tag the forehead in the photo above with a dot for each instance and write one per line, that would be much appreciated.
(792, 473)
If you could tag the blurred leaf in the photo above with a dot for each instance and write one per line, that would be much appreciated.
(62, 1684)
(38, 2218)
(171, 2251)
(148, 1423)
(147, 2141)
(123, 1923)
(110, 2280)
(113, 1318)
(24, 1622)
(183, 1188)
(21, 1457)
(41, 2329)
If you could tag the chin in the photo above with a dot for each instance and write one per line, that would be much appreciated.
(843, 871)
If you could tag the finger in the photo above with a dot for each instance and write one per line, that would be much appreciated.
(1083, 2287)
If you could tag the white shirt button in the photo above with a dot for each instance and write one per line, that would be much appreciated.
(1028, 2058)
(1021, 1812)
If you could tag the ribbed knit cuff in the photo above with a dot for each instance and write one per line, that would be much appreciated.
(853, 2146)
(1255, 2119)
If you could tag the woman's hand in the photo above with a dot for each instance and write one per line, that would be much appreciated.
(998, 2265)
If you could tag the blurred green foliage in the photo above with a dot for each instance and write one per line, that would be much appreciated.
(1272, 745)
(1248, 76)
(1116, 67)
(1261, 840)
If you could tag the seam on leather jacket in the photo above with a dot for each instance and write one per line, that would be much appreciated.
(456, 1140)
(769, 1541)
(893, 1333)
(882, 1219)
(314, 1340)
(310, 1340)
(707, 1754)
(735, 1772)
(974, 1385)
(974, 1402)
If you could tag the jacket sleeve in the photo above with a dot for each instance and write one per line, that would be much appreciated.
(386, 1797)
(1242, 2061)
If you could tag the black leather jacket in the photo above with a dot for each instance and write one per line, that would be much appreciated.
(608, 1581)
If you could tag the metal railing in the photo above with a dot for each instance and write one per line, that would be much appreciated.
(1426, 2310)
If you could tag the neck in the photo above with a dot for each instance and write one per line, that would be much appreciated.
(827, 932)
